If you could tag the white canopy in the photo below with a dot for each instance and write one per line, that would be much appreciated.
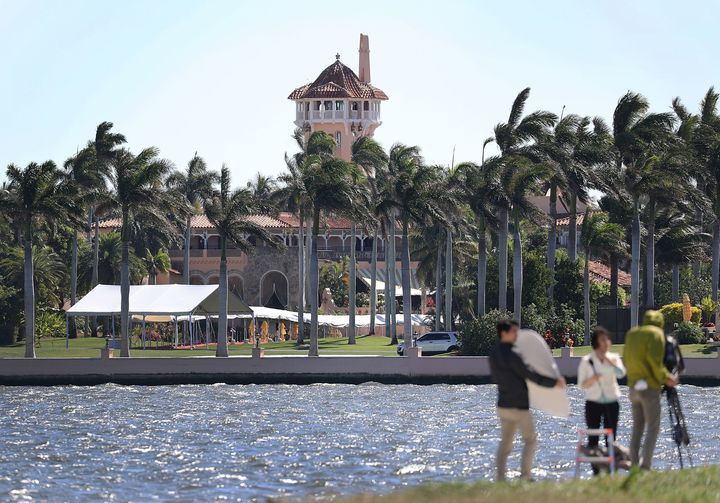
(329, 320)
(155, 300)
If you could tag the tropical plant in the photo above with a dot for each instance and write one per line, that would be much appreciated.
(688, 332)
(137, 182)
(478, 336)
(193, 187)
(156, 263)
(33, 194)
(228, 210)
(673, 314)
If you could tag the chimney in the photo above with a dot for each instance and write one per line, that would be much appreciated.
(364, 66)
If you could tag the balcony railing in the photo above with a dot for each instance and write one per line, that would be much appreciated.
(324, 115)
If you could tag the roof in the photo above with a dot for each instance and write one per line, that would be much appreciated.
(157, 300)
(338, 81)
(543, 204)
(565, 221)
(601, 272)
(203, 222)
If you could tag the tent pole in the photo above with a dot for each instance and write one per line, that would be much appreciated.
(112, 322)
(143, 331)
(191, 331)
(176, 332)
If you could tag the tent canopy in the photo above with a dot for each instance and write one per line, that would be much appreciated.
(157, 300)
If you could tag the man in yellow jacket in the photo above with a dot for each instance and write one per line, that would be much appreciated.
(644, 357)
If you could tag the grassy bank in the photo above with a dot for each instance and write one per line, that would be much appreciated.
(696, 486)
(90, 347)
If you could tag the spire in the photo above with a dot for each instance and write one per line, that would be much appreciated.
(364, 66)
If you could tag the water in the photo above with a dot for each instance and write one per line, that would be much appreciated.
(250, 443)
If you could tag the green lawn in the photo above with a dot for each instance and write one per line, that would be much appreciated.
(90, 347)
(688, 350)
(699, 485)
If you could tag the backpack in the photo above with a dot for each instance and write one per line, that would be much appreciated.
(673, 359)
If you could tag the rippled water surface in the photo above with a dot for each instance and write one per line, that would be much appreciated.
(250, 443)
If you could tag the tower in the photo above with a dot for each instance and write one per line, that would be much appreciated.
(340, 103)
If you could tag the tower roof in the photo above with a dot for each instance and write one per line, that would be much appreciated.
(338, 81)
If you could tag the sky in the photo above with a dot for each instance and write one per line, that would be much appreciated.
(213, 76)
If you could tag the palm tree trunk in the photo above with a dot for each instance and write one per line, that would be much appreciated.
(387, 289)
(352, 299)
(517, 271)
(314, 278)
(572, 228)
(715, 259)
(125, 286)
(675, 290)
(301, 278)
(614, 280)
(586, 296)
(95, 266)
(222, 340)
(407, 295)
(438, 284)
(481, 268)
(650, 258)
(448, 279)
(186, 254)
(502, 259)
(635, 267)
(308, 253)
(373, 283)
(392, 280)
(700, 219)
(29, 295)
(72, 326)
(552, 240)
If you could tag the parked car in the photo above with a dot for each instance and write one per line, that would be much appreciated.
(434, 342)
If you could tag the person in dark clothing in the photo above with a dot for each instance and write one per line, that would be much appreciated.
(509, 372)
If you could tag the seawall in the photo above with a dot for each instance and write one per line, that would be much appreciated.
(285, 370)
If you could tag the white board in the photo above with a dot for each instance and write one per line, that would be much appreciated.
(536, 354)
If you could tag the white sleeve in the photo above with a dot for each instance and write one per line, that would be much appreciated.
(584, 371)
(619, 367)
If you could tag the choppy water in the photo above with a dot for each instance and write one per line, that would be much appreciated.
(249, 443)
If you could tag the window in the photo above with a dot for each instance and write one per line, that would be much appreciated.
(338, 137)
(354, 106)
(317, 105)
(339, 105)
(327, 105)
(366, 106)
(444, 337)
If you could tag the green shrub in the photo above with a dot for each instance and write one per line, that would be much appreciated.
(49, 324)
(478, 336)
(673, 314)
(533, 318)
(689, 333)
(563, 325)
(362, 299)
(707, 306)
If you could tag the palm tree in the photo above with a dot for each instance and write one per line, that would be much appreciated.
(228, 210)
(262, 187)
(514, 138)
(105, 147)
(194, 186)
(48, 269)
(410, 193)
(38, 192)
(521, 177)
(637, 135)
(679, 242)
(480, 186)
(333, 186)
(138, 183)
(599, 237)
(370, 157)
(156, 263)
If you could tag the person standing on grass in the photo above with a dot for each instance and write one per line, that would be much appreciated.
(597, 375)
(513, 405)
(644, 357)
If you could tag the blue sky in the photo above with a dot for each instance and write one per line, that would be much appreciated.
(213, 76)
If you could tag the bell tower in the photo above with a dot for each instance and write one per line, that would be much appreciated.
(340, 103)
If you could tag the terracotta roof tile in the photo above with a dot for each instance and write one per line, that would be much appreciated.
(565, 221)
(338, 81)
(601, 272)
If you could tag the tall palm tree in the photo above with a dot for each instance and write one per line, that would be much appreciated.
(602, 238)
(194, 185)
(263, 187)
(637, 136)
(137, 182)
(680, 242)
(370, 157)
(333, 186)
(410, 192)
(515, 138)
(479, 188)
(521, 177)
(156, 263)
(228, 210)
(33, 194)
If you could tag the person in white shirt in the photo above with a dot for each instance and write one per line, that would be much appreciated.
(597, 375)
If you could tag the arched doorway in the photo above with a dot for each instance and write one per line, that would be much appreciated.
(274, 290)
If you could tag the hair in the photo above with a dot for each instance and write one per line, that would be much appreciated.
(506, 325)
(596, 334)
